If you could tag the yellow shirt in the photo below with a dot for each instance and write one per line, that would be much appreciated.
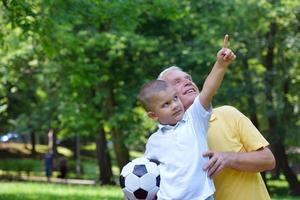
(230, 130)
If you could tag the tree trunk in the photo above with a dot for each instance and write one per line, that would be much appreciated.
(104, 159)
(78, 170)
(54, 143)
(282, 162)
(274, 128)
(122, 153)
(251, 103)
(287, 118)
(52, 146)
(33, 142)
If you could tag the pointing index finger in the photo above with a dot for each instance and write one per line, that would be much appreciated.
(225, 43)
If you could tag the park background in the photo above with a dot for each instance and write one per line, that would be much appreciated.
(70, 72)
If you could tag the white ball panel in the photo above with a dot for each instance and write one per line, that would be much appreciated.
(152, 168)
(140, 161)
(127, 169)
(129, 194)
(152, 193)
(148, 181)
(132, 182)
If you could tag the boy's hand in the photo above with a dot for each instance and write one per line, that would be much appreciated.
(225, 56)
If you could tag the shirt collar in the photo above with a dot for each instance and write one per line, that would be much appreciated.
(212, 117)
(166, 127)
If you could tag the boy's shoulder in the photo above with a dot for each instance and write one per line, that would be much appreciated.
(154, 135)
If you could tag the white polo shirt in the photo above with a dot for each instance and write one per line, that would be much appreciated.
(179, 150)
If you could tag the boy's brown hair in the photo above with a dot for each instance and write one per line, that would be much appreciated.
(149, 90)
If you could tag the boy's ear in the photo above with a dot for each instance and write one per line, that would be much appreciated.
(152, 115)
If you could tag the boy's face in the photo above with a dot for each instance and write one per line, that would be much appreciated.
(184, 86)
(166, 107)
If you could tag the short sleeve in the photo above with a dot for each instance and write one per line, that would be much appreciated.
(199, 115)
(250, 136)
(148, 153)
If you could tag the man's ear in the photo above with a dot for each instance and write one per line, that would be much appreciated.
(152, 115)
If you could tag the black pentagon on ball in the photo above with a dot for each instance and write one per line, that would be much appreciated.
(158, 180)
(139, 170)
(122, 181)
(140, 194)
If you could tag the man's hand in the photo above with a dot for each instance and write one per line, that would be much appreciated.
(254, 161)
(225, 56)
(217, 162)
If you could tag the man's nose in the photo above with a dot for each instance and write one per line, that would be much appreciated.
(187, 82)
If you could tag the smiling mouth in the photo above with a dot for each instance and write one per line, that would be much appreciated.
(190, 91)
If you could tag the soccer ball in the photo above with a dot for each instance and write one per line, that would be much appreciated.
(140, 179)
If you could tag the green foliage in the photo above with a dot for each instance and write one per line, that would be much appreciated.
(77, 66)
(18, 166)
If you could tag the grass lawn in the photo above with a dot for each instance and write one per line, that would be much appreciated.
(279, 189)
(48, 191)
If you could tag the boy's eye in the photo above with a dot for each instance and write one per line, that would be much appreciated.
(175, 98)
(165, 105)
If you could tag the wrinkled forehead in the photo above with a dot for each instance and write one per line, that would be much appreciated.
(172, 75)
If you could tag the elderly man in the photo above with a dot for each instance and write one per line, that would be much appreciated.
(238, 152)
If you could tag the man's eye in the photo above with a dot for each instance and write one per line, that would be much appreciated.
(189, 78)
(175, 98)
(177, 81)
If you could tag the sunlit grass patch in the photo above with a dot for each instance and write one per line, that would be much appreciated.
(279, 189)
(46, 191)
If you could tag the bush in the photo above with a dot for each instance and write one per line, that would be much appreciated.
(20, 165)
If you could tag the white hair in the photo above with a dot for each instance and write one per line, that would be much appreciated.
(167, 70)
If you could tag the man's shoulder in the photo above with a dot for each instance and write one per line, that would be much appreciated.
(226, 109)
(228, 113)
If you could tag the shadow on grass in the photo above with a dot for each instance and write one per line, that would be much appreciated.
(278, 191)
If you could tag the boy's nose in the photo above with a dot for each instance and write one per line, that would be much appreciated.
(174, 105)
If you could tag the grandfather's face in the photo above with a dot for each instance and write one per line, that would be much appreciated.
(185, 87)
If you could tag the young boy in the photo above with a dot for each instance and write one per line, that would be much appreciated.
(181, 136)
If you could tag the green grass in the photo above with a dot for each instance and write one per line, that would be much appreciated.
(44, 191)
(48, 191)
(279, 189)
